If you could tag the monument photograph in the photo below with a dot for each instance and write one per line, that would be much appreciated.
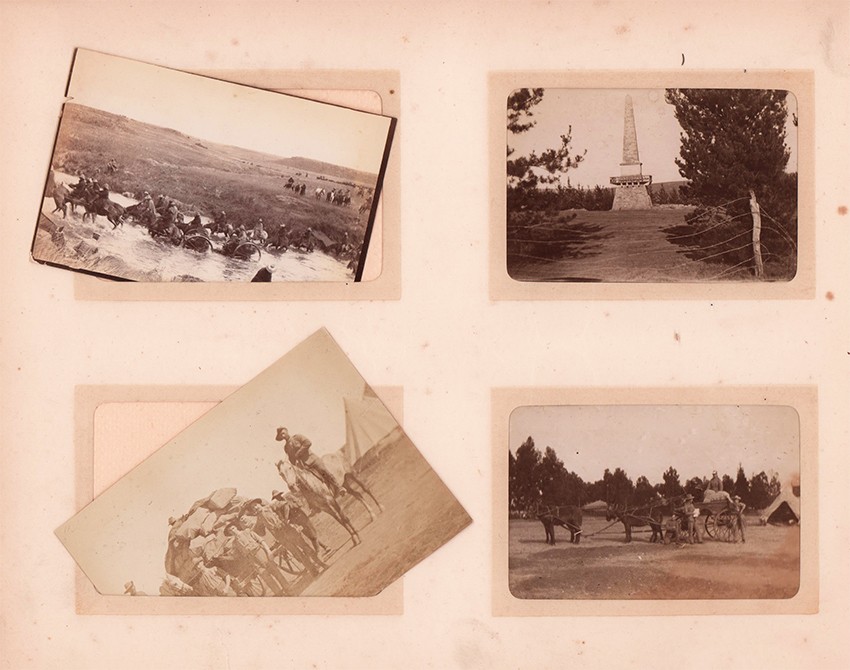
(300, 483)
(637, 502)
(651, 185)
(159, 175)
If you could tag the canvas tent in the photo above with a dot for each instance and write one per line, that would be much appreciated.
(367, 422)
(784, 510)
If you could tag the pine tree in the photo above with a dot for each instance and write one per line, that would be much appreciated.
(526, 492)
(553, 162)
(643, 491)
(732, 141)
(672, 487)
(742, 486)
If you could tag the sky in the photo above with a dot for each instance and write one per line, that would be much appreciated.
(228, 113)
(647, 439)
(596, 116)
(122, 534)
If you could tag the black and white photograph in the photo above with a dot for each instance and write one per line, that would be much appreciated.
(652, 185)
(654, 502)
(163, 176)
(301, 483)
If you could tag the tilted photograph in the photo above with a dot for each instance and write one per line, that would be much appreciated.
(163, 176)
(652, 185)
(654, 502)
(301, 483)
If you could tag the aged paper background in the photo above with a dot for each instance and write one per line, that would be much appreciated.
(444, 341)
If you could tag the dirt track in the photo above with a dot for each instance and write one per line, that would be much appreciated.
(604, 567)
(420, 515)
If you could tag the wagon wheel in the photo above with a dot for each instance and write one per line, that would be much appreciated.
(288, 563)
(246, 251)
(725, 526)
(197, 243)
(711, 525)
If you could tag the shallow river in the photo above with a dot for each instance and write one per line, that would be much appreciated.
(141, 253)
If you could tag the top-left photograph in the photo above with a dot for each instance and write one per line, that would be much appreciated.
(159, 175)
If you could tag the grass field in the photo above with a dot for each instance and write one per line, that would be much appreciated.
(206, 178)
(616, 246)
(767, 565)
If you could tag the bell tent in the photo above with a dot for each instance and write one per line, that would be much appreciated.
(367, 422)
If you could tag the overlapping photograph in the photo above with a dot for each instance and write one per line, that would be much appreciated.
(301, 483)
(163, 176)
(642, 185)
(654, 502)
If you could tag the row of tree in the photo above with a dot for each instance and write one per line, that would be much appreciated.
(542, 478)
(596, 198)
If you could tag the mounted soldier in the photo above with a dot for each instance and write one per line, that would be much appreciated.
(297, 449)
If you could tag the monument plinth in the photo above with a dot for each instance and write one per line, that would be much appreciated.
(631, 184)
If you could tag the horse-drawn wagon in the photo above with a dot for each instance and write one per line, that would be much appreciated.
(723, 520)
(667, 518)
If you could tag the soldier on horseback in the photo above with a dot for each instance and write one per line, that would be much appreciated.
(297, 449)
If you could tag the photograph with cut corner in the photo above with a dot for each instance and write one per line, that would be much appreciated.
(301, 483)
(654, 502)
(652, 185)
(164, 176)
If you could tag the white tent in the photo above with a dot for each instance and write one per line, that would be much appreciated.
(785, 509)
(367, 422)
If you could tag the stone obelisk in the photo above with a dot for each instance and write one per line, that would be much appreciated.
(631, 184)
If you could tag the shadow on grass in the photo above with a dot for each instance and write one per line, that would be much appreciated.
(556, 240)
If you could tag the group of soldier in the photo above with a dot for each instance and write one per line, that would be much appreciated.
(686, 514)
(163, 219)
(242, 550)
(88, 189)
(226, 545)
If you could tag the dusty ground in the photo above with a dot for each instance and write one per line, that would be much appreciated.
(420, 515)
(604, 567)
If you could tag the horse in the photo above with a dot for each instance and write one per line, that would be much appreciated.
(566, 516)
(317, 494)
(343, 472)
(61, 195)
(319, 192)
(651, 514)
(113, 212)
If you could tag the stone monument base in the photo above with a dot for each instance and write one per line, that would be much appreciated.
(631, 197)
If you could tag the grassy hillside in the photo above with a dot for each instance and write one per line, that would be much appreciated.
(206, 177)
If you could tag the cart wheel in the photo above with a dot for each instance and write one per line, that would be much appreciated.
(711, 525)
(725, 526)
(247, 250)
(289, 564)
